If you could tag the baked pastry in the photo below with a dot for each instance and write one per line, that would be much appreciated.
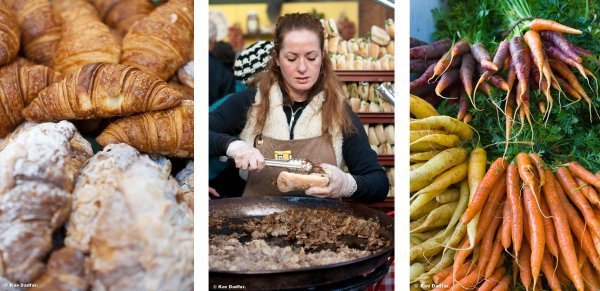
(287, 181)
(10, 35)
(163, 41)
(122, 14)
(168, 132)
(40, 29)
(19, 84)
(101, 90)
(85, 39)
(187, 93)
(65, 271)
(37, 172)
(186, 180)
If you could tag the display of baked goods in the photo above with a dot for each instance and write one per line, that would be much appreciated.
(76, 214)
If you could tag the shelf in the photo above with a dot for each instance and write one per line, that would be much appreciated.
(370, 117)
(386, 160)
(365, 76)
(387, 204)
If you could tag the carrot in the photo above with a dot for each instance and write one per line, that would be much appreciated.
(491, 208)
(414, 42)
(537, 237)
(588, 191)
(482, 56)
(420, 66)
(499, 58)
(533, 40)
(570, 187)
(584, 174)
(493, 174)
(494, 256)
(435, 49)
(549, 273)
(506, 225)
(443, 122)
(539, 164)
(556, 53)
(563, 222)
(579, 50)
(544, 87)
(509, 112)
(549, 229)
(566, 73)
(466, 74)
(445, 63)
(446, 80)
(426, 90)
(492, 281)
(487, 241)
(441, 275)
(590, 277)
(461, 47)
(422, 80)
(522, 62)
(504, 284)
(545, 24)
(438, 164)
(468, 281)
(566, 87)
(516, 208)
(561, 42)
(525, 266)
(468, 118)
(457, 274)
(463, 105)
(528, 174)
(512, 73)
(476, 173)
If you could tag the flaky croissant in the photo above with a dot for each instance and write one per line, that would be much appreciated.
(40, 29)
(19, 84)
(85, 39)
(168, 133)
(101, 90)
(122, 14)
(163, 41)
(10, 35)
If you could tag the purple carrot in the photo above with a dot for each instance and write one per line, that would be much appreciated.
(561, 42)
(580, 51)
(501, 55)
(420, 66)
(424, 90)
(521, 61)
(416, 42)
(422, 81)
(512, 74)
(460, 48)
(433, 50)
(556, 53)
(482, 56)
(466, 73)
(433, 99)
(446, 80)
(463, 105)
(564, 86)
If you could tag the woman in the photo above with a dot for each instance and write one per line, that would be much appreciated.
(297, 107)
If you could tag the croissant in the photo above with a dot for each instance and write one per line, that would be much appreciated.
(85, 39)
(40, 29)
(10, 35)
(122, 14)
(163, 41)
(19, 84)
(168, 133)
(101, 90)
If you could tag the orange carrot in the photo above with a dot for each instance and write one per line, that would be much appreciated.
(533, 40)
(454, 276)
(588, 191)
(494, 258)
(441, 275)
(564, 71)
(468, 281)
(506, 226)
(545, 24)
(493, 174)
(504, 284)
(570, 187)
(590, 277)
(525, 266)
(514, 200)
(492, 281)
(487, 241)
(548, 269)
(528, 174)
(459, 258)
(539, 164)
(549, 229)
(584, 174)
(491, 208)
(537, 237)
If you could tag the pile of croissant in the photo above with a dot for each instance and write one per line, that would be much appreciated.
(116, 218)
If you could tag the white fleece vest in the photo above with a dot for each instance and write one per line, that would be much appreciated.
(308, 124)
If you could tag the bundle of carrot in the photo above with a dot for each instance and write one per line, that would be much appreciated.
(546, 222)
(439, 186)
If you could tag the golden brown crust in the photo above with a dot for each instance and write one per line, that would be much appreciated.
(122, 14)
(169, 132)
(65, 271)
(186, 92)
(102, 90)
(19, 84)
(10, 35)
(287, 181)
(39, 27)
(163, 41)
(85, 39)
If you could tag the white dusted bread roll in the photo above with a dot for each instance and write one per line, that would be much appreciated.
(287, 181)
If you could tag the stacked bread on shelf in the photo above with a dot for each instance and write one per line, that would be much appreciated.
(364, 97)
(381, 138)
(120, 73)
(372, 53)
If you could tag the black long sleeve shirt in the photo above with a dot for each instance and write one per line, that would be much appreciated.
(228, 120)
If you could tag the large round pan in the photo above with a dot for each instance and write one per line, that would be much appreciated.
(252, 207)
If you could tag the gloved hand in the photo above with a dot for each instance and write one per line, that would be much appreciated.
(246, 156)
(341, 184)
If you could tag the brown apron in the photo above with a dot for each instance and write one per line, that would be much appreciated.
(264, 183)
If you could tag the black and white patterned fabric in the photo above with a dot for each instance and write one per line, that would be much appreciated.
(252, 60)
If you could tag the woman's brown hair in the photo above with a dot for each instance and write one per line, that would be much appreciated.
(334, 110)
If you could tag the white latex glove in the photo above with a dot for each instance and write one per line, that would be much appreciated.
(341, 184)
(246, 156)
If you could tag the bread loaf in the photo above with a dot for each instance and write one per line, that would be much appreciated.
(287, 182)
(10, 35)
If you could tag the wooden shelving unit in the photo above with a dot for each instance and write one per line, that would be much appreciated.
(365, 76)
